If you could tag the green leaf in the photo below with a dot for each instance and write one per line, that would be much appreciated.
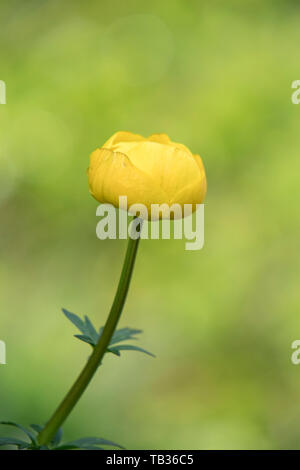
(124, 334)
(10, 441)
(89, 442)
(86, 327)
(91, 448)
(57, 437)
(114, 351)
(90, 335)
(75, 320)
(90, 330)
(26, 431)
(65, 447)
(37, 428)
(86, 339)
(128, 347)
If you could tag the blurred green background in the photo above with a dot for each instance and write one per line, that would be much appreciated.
(221, 321)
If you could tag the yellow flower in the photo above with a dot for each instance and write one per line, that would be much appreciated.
(152, 170)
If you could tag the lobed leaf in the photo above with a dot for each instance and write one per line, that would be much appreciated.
(124, 334)
(11, 441)
(129, 347)
(90, 336)
(25, 431)
(88, 443)
(37, 428)
(90, 330)
(57, 437)
(86, 339)
(75, 320)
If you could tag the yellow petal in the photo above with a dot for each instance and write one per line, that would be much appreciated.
(111, 174)
(202, 173)
(165, 139)
(171, 168)
(159, 138)
(122, 136)
(194, 193)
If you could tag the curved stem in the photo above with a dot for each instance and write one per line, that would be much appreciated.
(94, 361)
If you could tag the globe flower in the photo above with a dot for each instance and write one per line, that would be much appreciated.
(146, 172)
(151, 170)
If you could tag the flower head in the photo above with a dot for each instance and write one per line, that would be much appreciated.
(147, 170)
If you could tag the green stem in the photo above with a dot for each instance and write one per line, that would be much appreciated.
(95, 359)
